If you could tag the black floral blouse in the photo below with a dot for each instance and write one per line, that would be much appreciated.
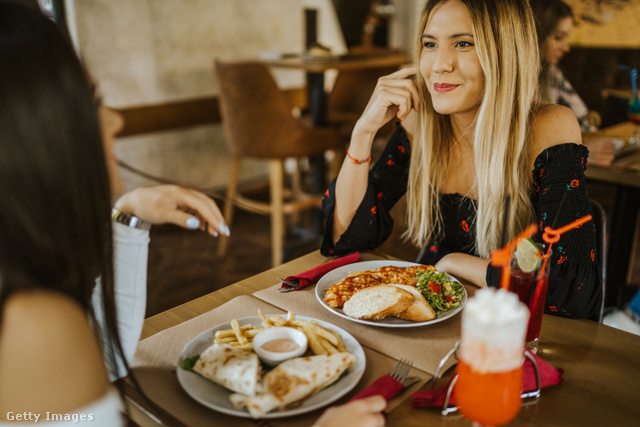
(575, 288)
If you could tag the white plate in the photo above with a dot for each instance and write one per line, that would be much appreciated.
(334, 276)
(216, 397)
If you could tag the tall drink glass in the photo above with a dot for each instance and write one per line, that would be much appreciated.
(491, 355)
(531, 288)
(633, 113)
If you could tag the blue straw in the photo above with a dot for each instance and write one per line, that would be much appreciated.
(634, 76)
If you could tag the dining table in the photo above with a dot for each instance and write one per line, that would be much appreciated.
(624, 175)
(601, 364)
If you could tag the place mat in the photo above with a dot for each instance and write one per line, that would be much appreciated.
(424, 345)
(155, 361)
(628, 162)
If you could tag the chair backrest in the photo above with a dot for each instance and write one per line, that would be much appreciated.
(353, 88)
(256, 115)
(600, 221)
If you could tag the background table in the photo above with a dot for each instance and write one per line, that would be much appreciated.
(624, 174)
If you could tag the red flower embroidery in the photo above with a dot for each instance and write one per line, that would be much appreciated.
(575, 183)
(562, 259)
(326, 193)
(390, 162)
(464, 226)
(553, 308)
(374, 210)
(379, 196)
(401, 148)
(541, 171)
(593, 255)
(433, 248)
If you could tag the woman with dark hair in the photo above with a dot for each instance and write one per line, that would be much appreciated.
(61, 335)
(471, 136)
(554, 23)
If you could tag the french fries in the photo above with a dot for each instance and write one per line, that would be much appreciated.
(321, 340)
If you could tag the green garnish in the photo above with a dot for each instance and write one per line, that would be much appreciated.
(450, 295)
(189, 363)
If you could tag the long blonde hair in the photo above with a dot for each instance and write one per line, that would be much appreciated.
(505, 40)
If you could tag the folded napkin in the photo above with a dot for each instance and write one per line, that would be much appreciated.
(312, 276)
(386, 386)
(548, 376)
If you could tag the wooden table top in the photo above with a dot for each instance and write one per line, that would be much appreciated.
(619, 172)
(349, 62)
(601, 363)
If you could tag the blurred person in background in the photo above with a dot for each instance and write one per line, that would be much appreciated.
(554, 23)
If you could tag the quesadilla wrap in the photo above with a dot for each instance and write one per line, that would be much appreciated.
(234, 369)
(294, 380)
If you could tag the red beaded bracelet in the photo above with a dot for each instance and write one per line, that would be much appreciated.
(359, 161)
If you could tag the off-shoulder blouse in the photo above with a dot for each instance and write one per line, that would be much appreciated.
(575, 279)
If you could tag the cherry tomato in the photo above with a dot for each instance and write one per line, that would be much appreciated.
(450, 298)
(434, 287)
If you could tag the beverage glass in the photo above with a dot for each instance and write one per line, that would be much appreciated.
(633, 113)
(491, 355)
(531, 288)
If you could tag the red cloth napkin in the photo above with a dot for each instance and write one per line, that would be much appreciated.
(312, 276)
(548, 376)
(386, 386)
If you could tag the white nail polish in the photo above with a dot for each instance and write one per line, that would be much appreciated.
(224, 229)
(193, 223)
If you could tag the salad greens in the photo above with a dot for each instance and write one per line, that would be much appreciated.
(440, 292)
(189, 362)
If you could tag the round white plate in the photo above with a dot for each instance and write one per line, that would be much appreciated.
(334, 276)
(216, 397)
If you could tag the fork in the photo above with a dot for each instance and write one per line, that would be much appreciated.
(390, 388)
(290, 285)
(401, 370)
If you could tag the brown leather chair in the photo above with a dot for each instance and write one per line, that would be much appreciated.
(258, 124)
(350, 94)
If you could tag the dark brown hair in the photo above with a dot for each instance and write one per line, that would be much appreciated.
(55, 224)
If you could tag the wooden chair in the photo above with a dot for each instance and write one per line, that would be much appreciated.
(600, 221)
(350, 94)
(258, 123)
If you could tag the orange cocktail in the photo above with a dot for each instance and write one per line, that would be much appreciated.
(489, 385)
(489, 398)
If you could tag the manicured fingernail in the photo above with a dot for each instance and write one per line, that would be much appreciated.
(215, 233)
(224, 229)
(193, 223)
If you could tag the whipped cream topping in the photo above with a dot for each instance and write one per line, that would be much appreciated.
(494, 326)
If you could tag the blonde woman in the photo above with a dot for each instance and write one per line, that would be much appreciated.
(472, 133)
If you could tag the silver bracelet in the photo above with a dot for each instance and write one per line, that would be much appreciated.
(129, 220)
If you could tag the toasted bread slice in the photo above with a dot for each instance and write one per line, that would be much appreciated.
(378, 302)
(420, 310)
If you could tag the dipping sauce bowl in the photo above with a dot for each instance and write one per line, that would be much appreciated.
(275, 345)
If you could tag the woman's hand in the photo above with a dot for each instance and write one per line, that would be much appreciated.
(175, 205)
(602, 150)
(359, 413)
(464, 266)
(394, 95)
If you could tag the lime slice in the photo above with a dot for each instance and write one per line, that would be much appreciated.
(528, 255)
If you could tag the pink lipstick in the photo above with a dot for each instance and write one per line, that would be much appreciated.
(444, 87)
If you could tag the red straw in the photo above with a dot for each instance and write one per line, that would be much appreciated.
(502, 257)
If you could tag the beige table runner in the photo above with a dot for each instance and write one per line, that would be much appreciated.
(424, 345)
(155, 361)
